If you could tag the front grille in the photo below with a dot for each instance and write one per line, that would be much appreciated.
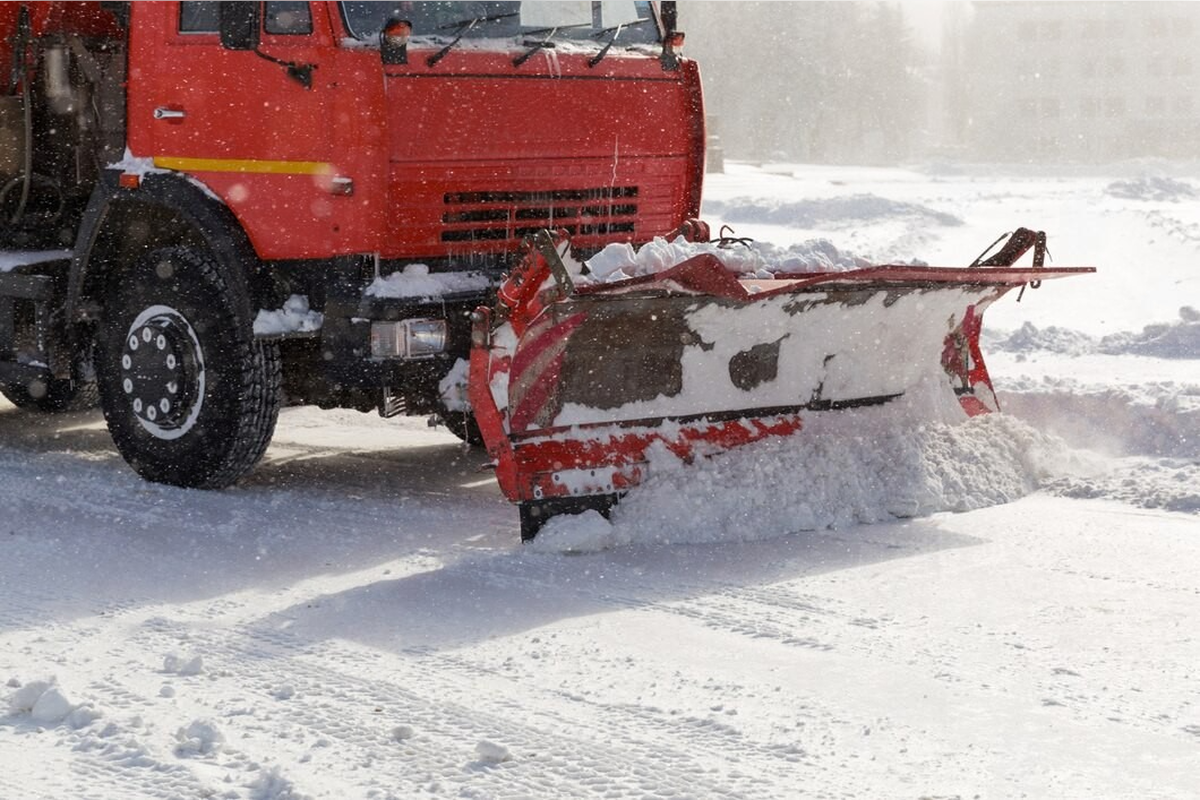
(501, 215)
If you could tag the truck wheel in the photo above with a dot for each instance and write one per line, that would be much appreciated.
(190, 397)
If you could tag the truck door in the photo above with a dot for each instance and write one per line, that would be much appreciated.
(252, 125)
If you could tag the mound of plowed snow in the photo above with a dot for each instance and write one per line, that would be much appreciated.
(1155, 188)
(844, 468)
(619, 261)
(1179, 339)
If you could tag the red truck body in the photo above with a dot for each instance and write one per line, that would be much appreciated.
(466, 156)
(256, 152)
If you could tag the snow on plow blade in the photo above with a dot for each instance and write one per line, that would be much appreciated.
(573, 385)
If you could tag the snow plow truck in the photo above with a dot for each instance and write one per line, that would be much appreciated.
(209, 210)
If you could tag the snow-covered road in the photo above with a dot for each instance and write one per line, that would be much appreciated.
(287, 641)
(358, 619)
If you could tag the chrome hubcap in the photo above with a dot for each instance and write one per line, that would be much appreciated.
(162, 372)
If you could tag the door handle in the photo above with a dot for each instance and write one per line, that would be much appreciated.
(162, 112)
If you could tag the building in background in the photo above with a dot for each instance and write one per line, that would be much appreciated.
(838, 82)
(1095, 81)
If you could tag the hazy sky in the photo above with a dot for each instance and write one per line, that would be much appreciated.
(925, 17)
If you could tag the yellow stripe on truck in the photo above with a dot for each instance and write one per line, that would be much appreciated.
(244, 165)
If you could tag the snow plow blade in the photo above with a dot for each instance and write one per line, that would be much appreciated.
(574, 382)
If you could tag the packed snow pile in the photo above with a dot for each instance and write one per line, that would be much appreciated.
(1031, 338)
(492, 753)
(44, 703)
(826, 212)
(620, 261)
(1170, 484)
(201, 737)
(180, 665)
(294, 317)
(452, 388)
(417, 281)
(271, 784)
(588, 532)
(1154, 188)
(845, 468)
(1179, 339)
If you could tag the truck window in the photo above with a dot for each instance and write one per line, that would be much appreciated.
(279, 18)
(201, 16)
(287, 19)
(585, 21)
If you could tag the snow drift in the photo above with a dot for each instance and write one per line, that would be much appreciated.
(847, 468)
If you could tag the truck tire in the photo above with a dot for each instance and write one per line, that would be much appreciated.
(190, 397)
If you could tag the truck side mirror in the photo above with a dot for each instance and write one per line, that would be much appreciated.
(239, 25)
(672, 38)
(393, 41)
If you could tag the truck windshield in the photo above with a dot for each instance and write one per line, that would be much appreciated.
(580, 21)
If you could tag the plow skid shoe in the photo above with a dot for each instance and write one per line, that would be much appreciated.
(575, 387)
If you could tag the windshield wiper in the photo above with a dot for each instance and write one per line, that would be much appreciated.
(615, 30)
(461, 28)
(556, 29)
(544, 43)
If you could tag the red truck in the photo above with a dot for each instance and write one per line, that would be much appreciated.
(212, 209)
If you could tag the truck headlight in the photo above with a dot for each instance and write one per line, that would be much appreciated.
(410, 338)
(425, 337)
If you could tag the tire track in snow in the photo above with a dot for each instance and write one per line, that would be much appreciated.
(733, 619)
(133, 773)
(326, 683)
(668, 753)
(105, 762)
(695, 734)
(737, 616)
(629, 766)
(145, 509)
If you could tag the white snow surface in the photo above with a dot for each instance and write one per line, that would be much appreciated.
(294, 317)
(416, 281)
(136, 165)
(11, 259)
(748, 259)
(452, 388)
(890, 605)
